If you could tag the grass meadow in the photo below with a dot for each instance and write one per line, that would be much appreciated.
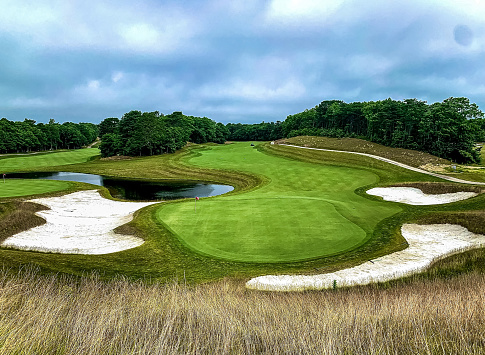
(65, 315)
(172, 297)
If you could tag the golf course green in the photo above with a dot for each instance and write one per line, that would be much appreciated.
(29, 162)
(305, 211)
(27, 187)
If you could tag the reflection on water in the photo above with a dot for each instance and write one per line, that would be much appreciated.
(136, 189)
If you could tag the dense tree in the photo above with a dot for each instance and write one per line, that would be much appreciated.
(448, 129)
(261, 131)
(149, 133)
(108, 125)
(27, 136)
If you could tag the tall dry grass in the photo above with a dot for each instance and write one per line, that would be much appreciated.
(60, 315)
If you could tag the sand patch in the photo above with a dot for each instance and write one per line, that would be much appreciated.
(427, 243)
(414, 196)
(79, 223)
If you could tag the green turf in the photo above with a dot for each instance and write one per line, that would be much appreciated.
(165, 258)
(306, 211)
(24, 187)
(13, 163)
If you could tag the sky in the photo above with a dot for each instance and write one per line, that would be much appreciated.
(233, 61)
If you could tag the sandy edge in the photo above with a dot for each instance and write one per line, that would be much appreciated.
(79, 223)
(414, 196)
(427, 244)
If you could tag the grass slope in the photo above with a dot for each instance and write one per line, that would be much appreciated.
(410, 157)
(12, 163)
(25, 187)
(305, 211)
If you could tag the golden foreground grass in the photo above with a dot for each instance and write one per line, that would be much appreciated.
(62, 315)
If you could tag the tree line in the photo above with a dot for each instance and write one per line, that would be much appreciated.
(447, 129)
(29, 136)
(150, 133)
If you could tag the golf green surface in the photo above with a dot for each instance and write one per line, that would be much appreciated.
(12, 163)
(25, 187)
(306, 210)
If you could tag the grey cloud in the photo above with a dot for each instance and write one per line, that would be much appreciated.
(463, 35)
(230, 63)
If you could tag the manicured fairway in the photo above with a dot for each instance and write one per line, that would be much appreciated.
(306, 210)
(25, 187)
(14, 163)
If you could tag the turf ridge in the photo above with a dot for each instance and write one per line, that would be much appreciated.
(15, 163)
(306, 211)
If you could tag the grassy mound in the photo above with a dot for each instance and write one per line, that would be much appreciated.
(305, 211)
(12, 163)
(67, 316)
(410, 157)
(26, 187)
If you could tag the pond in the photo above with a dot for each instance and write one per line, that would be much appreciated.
(133, 189)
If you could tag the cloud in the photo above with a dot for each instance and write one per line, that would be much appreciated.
(463, 35)
(116, 76)
(254, 91)
(77, 24)
(290, 11)
(240, 60)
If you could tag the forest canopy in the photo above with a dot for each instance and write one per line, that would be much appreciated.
(27, 136)
(448, 129)
(150, 133)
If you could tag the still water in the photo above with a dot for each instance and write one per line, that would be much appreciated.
(132, 189)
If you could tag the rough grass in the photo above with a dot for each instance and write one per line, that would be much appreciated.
(474, 221)
(17, 216)
(62, 315)
(406, 156)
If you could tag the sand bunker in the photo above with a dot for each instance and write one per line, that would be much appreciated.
(79, 223)
(414, 196)
(427, 243)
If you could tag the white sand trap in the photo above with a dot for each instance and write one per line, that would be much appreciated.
(414, 196)
(79, 223)
(427, 243)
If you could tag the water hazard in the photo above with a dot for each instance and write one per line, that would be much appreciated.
(133, 189)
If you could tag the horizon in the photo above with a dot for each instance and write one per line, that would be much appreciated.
(166, 113)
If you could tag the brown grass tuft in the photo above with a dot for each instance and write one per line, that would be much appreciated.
(56, 315)
(16, 217)
(474, 221)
